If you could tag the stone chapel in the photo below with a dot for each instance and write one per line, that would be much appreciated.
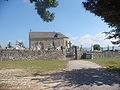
(47, 40)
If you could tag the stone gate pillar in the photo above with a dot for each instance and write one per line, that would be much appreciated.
(76, 56)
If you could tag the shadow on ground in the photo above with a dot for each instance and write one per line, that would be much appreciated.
(79, 77)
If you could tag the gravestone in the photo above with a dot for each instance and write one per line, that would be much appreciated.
(19, 45)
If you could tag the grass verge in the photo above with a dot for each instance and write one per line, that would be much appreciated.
(112, 63)
(34, 66)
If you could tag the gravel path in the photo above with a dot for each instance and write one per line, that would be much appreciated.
(82, 65)
(91, 76)
(80, 75)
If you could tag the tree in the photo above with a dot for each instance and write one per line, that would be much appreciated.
(9, 45)
(109, 11)
(20, 43)
(42, 7)
(96, 47)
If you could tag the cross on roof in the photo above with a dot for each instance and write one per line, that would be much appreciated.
(70, 44)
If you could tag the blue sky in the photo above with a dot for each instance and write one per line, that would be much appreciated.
(17, 17)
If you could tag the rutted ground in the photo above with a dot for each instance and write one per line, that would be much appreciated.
(80, 75)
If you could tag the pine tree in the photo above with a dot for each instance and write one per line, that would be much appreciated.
(109, 11)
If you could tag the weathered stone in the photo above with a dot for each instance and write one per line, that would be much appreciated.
(106, 54)
(30, 55)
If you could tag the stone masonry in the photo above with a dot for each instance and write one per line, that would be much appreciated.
(6, 54)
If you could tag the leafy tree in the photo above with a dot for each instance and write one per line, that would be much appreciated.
(9, 45)
(42, 7)
(96, 47)
(21, 44)
(109, 11)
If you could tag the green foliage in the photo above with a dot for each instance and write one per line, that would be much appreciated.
(96, 47)
(9, 45)
(109, 11)
(21, 44)
(42, 7)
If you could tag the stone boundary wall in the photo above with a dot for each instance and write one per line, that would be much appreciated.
(6, 54)
(99, 54)
(80, 54)
(106, 54)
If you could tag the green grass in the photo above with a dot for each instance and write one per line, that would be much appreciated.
(111, 63)
(37, 66)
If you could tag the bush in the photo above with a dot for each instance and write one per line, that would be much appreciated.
(96, 47)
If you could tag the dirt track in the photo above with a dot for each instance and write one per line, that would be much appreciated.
(75, 64)
(80, 75)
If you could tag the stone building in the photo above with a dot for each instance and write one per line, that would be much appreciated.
(47, 40)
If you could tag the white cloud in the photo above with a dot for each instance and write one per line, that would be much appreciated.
(74, 38)
(88, 40)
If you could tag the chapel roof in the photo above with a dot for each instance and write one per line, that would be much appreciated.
(45, 35)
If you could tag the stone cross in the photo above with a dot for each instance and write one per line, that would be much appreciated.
(70, 44)
(81, 47)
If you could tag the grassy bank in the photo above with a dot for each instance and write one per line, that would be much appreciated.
(39, 66)
(111, 63)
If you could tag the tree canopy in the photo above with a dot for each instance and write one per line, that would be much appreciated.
(96, 47)
(42, 7)
(109, 11)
